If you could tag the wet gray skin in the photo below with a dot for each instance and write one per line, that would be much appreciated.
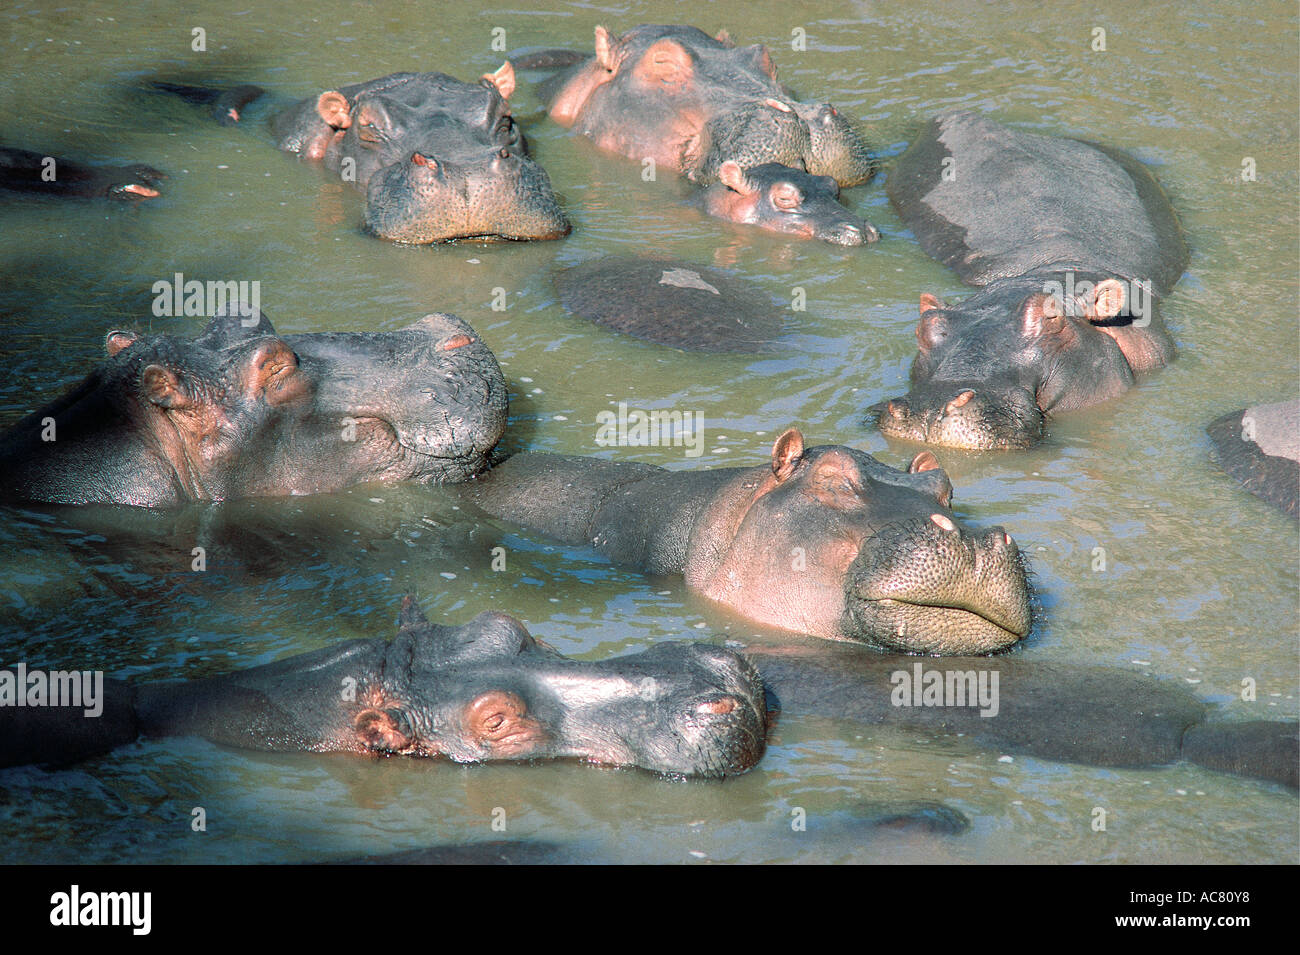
(1260, 447)
(781, 199)
(24, 171)
(438, 159)
(825, 541)
(482, 691)
(1072, 244)
(242, 412)
(691, 102)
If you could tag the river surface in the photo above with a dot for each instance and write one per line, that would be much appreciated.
(1200, 581)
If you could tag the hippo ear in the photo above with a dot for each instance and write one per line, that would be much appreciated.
(117, 339)
(1042, 315)
(762, 59)
(503, 79)
(929, 302)
(411, 617)
(333, 107)
(933, 326)
(383, 731)
(1107, 299)
(925, 461)
(733, 177)
(666, 63)
(162, 387)
(723, 36)
(787, 452)
(605, 43)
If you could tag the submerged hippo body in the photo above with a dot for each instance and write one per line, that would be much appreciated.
(675, 303)
(826, 541)
(34, 173)
(690, 102)
(482, 691)
(1260, 447)
(438, 159)
(1097, 716)
(242, 412)
(1071, 245)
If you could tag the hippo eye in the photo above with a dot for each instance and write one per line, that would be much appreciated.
(368, 132)
(786, 198)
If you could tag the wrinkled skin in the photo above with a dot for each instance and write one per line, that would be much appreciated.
(1260, 447)
(781, 199)
(482, 691)
(438, 159)
(825, 541)
(1072, 245)
(24, 171)
(242, 412)
(691, 102)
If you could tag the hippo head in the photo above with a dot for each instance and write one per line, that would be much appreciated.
(781, 199)
(240, 411)
(691, 102)
(832, 543)
(989, 370)
(810, 136)
(440, 159)
(488, 691)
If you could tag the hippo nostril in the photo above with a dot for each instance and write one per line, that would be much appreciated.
(456, 341)
(943, 522)
(503, 153)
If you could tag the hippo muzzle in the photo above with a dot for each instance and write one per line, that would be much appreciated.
(426, 402)
(971, 415)
(929, 586)
(426, 198)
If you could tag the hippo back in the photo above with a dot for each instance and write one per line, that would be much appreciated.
(992, 202)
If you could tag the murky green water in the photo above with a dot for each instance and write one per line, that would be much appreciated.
(1201, 579)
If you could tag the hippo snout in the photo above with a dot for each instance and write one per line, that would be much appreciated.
(850, 234)
(713, 723)
(931, 586)
(971, 415)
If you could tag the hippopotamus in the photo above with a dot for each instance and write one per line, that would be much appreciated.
(1260, 447)
(1094, 715)
(438, 159)
(240, 411)
(691, 102)
(783, 199)
(671, 302)
(824, 541)
(35, 173)
(1071, 243)
(487, 690)
(484, 690)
